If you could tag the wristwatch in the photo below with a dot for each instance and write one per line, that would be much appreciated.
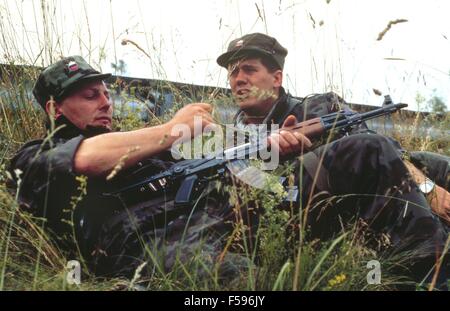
(427, 186)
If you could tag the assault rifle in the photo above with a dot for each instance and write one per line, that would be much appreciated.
(186, 179)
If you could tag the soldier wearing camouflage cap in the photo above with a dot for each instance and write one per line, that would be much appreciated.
(359, 168)
(51, 166)
(255, 43)
(74, 94)
(60, 78)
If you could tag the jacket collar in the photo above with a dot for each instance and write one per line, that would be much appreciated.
(280, 110)
(68, 130)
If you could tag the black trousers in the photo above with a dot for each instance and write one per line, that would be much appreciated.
(366, 179)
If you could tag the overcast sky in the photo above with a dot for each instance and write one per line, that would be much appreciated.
(332, 44)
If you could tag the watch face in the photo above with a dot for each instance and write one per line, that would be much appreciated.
(427, 186)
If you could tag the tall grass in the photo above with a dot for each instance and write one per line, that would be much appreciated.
(282, 257)
(31, 260)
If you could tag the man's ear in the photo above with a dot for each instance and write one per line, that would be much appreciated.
(53, 109)
(278, 78)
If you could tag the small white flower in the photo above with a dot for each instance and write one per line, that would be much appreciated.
(18, 172)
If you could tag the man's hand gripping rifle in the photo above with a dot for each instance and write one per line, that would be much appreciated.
(187, 179)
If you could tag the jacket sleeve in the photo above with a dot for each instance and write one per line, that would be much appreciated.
(435, 166)
(44, 177)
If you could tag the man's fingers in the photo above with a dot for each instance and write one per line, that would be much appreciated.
(284, 146)
(305, 140)
(292, 140)
(272, 141)
(210, 125)
(205, 106)
(207, 118)
(290, 121)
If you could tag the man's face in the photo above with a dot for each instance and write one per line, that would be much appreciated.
(252, 84)
(90, 106)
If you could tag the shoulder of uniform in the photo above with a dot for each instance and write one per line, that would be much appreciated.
(30, 146)
(331, 100)
(28, 149)
(328, 96)
(32, 143)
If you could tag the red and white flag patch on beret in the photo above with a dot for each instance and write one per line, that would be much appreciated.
(73, 66)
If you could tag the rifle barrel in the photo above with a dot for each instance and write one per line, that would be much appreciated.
(381, 111)
(357, 118)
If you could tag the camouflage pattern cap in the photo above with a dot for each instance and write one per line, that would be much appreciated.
(253, 43)
(60, 78)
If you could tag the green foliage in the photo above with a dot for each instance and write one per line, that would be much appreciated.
(282, 256)
(120, 68)
(437, 105)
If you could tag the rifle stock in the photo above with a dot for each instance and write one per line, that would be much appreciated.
(312, 128)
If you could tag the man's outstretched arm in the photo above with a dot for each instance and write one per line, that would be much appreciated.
(98, 155)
